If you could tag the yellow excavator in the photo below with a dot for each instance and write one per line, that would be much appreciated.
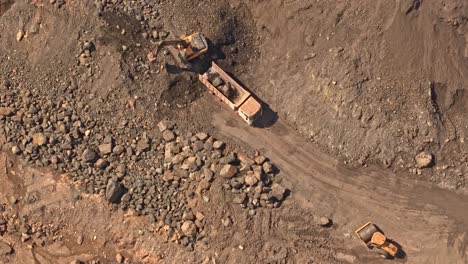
(373, 237)
(184, 49)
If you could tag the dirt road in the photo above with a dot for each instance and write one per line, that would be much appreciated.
(430, 224)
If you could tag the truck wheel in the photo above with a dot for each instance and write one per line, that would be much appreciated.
(384, 254)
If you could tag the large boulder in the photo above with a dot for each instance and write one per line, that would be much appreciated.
(114, 191)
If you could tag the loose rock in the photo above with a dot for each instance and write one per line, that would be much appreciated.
(119, 258)
(218, 144)
(168, 135)
(423, 159)
(114, 191)
(324, 221)
(278, 192)
(189, 228)
(228, 171)
(89, 155)
(105, 149)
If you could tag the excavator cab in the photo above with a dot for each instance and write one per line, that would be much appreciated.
(373, 237)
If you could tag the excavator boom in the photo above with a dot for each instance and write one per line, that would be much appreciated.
(154, 53)
(184, 49)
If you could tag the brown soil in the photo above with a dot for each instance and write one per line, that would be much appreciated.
(370, 84)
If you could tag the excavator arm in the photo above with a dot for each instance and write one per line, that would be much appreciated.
(154, 53)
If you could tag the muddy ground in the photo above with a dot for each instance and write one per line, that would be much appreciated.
(371, 85)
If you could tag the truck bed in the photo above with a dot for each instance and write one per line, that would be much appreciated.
(241, 94)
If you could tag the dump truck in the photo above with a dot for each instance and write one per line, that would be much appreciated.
(374, 238)
(236, 97)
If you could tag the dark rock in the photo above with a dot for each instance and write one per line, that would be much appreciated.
(89, 155)
(229, 159)
(217, 81)
(114, 191)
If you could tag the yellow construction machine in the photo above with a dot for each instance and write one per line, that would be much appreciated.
(374, 238)
(184, 49)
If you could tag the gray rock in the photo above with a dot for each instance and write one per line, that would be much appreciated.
(89, 155)
(105, 149)
(208, 175)
(228, 171)
(228, 159)
(118, 150)
(198, 146)
(423, 159)
(217, 81)
(143, 145)
(114, 191)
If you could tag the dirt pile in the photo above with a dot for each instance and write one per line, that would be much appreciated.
(375, 82)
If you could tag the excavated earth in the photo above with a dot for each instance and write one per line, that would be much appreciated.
(109, 158)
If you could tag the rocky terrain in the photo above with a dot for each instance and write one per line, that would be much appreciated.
(110, 158)
(374, 82)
